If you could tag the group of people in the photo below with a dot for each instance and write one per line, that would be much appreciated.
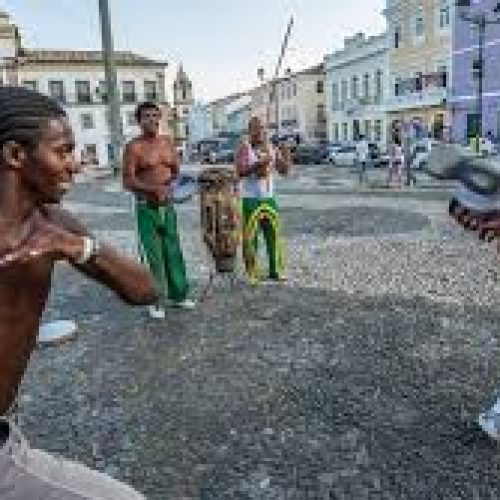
(151, 166)
(37, 166)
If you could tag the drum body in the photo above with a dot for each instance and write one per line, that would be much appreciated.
(220, 221)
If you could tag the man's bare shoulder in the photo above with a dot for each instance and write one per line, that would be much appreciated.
(134, 145)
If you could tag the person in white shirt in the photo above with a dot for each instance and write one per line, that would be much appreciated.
(256, 160)
(362, 156)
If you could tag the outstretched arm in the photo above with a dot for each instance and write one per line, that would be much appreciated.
(57, 235)
(131, 281)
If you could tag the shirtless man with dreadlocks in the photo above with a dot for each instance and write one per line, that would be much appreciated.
(36, 169)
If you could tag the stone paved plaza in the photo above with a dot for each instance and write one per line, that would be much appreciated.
(360, 378)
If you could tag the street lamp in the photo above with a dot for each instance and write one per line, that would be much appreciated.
(480, 20)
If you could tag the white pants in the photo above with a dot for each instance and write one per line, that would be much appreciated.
(28, 474)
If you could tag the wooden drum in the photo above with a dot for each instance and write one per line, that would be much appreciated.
(220, 221)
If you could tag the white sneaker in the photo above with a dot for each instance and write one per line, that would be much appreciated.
(156, 312)
(185, 304)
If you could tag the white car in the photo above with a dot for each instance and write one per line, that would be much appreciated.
(420, 152)
(343, 156)
(486, 147)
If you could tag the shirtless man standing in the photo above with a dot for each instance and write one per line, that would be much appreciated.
(151, 164)
(36, 169)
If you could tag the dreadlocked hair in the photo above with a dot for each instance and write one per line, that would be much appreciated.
(22, 114)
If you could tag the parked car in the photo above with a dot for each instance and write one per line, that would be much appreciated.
(420, 152)
(329, 150)
(378, 158)
(486, 147)
(343, 156)
(307, 155)
(224, 156)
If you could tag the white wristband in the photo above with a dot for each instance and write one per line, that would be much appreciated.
(89, 250)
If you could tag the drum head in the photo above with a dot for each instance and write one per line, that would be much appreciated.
(56, 332)
(184, 188)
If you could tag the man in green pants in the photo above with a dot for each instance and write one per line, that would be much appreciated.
(256, 160)
(150, 166)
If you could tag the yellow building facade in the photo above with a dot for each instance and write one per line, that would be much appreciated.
(419, 62)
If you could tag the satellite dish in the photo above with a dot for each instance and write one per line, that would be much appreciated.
(56, 332)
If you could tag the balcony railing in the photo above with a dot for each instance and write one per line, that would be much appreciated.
(428, 97)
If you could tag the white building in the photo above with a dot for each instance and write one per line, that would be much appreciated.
(356, 88)
(297, 104)
(76, 79)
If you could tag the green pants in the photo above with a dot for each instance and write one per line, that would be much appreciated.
(160, 245)
(261, 215)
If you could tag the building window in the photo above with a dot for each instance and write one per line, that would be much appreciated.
(102, 91)
(130, 119)
(56, 90)
(368, 130)
(150, 91)
(87, 121)
(444, 14)
(397, 86)
(289, 92)
(345, 132)
(419, 82)
(336, 132)
(294, 89)
(443, 76)
(377, 130)
(128, 90)
(366, 86)
(319, 87)
(343, 91)
(378, 84)
(83, 95)
(397, 37)
(30, 84)
(354, 87)
(335, 96)
(90, 154)
(419, 20)
(320, 114)
(477, 68)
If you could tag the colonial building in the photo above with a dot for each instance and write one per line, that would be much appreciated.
(356, 86)
(294, 105)
(420, 36)
(76, 79)
(465, 74)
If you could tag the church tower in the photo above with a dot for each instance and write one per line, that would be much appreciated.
(183, 103)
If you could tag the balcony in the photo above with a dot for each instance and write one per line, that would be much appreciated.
(430, 97)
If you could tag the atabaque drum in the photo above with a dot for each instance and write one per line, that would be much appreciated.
(220, 221)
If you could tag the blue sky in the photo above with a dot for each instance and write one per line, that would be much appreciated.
(220, 42)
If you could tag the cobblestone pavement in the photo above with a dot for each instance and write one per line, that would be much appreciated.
(360, 378)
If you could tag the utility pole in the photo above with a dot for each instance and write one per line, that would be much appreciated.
(273, 84)
(113, 98)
